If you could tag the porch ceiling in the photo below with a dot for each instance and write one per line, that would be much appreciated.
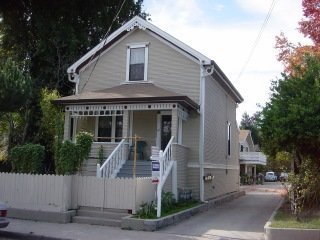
(127, 94)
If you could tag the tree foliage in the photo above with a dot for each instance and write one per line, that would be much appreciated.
(290, 121)
(251, 123)
(15, 87)
(46, 37)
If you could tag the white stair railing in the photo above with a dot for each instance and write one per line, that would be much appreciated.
(166, 166)
(114, 162)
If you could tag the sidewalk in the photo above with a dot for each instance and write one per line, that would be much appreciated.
(24, 229)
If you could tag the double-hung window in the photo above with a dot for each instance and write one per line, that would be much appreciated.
(110, 128)
(137, 62)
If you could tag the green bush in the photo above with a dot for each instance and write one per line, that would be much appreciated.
(83, 143)
(27, 158)
(67, 160)
(71, 156)
(101, 155)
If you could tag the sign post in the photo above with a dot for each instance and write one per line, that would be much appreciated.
(155, 164)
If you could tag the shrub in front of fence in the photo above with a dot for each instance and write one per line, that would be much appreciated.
(71, 155)
(27, 158)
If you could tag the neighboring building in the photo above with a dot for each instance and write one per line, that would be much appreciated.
(249, 156)
(142, 81)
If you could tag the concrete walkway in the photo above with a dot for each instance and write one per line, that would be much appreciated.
(242, 218)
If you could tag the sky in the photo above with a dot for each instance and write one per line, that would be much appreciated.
(226, 31)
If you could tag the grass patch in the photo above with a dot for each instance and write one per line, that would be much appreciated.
(285, 219)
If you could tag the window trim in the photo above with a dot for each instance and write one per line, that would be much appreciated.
(228, 139)
(146, 54)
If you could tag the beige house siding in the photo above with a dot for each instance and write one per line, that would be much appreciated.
(193, 180)
(220, 109)
(167, 68)
(145, 126)
(222, 183)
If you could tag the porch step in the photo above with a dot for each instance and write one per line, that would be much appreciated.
(143, 169)
(89, 167)
(97, 216)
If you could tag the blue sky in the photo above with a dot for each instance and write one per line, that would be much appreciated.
(225, 31)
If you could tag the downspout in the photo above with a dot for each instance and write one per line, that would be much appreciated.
(74, 77)
(205, 70)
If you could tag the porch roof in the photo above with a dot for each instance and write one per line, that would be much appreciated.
(128, 93)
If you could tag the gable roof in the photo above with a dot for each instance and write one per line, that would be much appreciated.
(243, 134)
(145, 25)
(128, 93)
(126, 28)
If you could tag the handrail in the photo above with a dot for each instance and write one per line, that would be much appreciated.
(113, 162)
(166, 165)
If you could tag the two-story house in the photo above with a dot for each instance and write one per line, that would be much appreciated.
(249, 156)
(143, 82)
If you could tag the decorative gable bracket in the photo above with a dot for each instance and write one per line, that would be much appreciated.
(134, 24)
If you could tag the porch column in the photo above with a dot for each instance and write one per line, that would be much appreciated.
(174, 124)
(254, 173)
(66, 129)
(125, 126)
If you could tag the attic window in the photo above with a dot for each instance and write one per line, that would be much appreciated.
(137, 62)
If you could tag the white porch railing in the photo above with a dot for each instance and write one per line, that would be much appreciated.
(114, 162)
(253, 158)
(166, 166)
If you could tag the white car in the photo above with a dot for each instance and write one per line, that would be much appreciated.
(3, 213)
(270, 177)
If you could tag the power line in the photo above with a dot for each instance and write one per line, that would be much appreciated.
(266, 20)
(104, 43)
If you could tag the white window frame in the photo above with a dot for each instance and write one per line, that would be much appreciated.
(146, 54)
(228, 139)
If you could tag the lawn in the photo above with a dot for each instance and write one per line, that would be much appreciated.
(284, 219)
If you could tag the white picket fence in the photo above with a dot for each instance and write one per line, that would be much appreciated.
(61, 193)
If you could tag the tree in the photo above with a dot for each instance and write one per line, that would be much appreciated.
(290, 121)
(15, 87)
(48, 36)
(251, 123)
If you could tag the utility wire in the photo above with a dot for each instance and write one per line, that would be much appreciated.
(105, 37)
(266, 20)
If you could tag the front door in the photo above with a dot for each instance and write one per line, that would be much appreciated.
(165, 130)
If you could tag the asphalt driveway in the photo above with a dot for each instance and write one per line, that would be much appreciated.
(243, 218)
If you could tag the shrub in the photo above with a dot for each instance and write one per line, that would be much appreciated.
(27, 158)
(83, 143)
(71, 156)
(101, 155)
(67, 158)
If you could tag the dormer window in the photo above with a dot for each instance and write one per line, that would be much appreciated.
(137, 62)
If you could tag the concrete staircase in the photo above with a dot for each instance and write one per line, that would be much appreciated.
(98, 216)
(143, 169)
(89, 167)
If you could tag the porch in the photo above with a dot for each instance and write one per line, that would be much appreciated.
(134, 128)
(249, 161)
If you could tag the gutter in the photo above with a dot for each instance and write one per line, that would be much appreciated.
(205, 70)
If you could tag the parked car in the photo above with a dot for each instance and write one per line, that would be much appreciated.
(3, 214)
(270, 177)
(283, 177)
